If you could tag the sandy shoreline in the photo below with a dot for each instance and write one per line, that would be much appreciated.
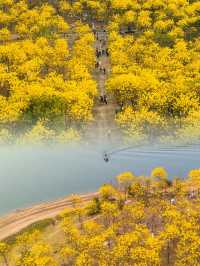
(14, 222)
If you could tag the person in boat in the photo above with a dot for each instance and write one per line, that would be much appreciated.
(106, 158)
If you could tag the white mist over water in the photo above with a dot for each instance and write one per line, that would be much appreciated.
(30, 175)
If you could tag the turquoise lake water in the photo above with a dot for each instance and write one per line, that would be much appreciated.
(32, 175)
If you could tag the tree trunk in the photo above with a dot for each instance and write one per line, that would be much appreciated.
(5, 260)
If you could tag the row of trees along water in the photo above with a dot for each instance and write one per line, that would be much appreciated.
(138, 221)
(154, 49)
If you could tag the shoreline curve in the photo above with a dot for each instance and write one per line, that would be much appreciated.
(12, 223)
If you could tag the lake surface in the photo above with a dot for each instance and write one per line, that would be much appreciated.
(32, 175)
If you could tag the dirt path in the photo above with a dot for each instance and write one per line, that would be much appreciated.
(104, 126)
(14, 222)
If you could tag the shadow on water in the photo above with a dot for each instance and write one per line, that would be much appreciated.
(29, 175)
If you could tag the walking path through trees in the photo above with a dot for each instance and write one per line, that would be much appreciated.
(103, 127)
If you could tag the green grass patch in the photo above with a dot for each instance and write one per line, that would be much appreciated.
(40, 225)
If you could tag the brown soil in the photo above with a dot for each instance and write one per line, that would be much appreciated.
(14, 222)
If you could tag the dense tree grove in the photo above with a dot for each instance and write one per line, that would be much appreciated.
(46, 79)
(154, 47)
(138, 221)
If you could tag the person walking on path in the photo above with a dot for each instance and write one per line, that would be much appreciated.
(97, 65)
(97, 53)
(100, 66)
(105, 99)
(101, 99)
(109, 134)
